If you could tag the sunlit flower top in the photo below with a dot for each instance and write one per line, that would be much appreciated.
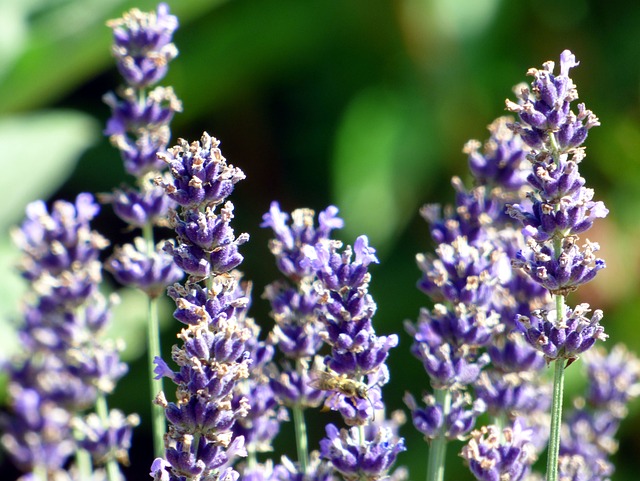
(142, 44)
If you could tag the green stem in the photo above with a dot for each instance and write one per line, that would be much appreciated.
(158, 421)
(556, 407)
(113, 471)
(157, 413)
(438, 448)
(301, 438)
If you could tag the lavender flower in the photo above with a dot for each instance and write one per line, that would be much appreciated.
(139, 209)
(491, 456)
(214, 356)
(355, 458)
(142, 45)
(150, 272)
(560, 206)
(139, 128)
(139, 123)
(578, 468)
(589, 430)
(545, 108)
(589, 434)
(298, 331)
(456, 424)
(288, 246)
(564, 338)
(110, 441)
(69, 366)
(200, 172)
(614, 379)
(346, 312)
(501, 161)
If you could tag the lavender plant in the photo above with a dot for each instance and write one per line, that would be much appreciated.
(330, 303)
(297, 332)
(507, 256)
(200, 442)
(559, 209)
(139, 129)
(67, 367)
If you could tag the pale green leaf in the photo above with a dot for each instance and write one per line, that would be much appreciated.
(39, 151)
(380, 165)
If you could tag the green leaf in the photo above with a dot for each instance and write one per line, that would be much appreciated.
(39, 151)
(66, 43)
(379, 166)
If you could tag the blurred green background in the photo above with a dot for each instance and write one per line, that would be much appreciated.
(364, 104)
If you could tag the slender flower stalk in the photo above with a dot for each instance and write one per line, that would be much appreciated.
(438, 448)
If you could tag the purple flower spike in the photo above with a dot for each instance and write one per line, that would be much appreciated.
(491, 458)
(545, 108)
(219, 342)
(133, 266)
(370, 458)
(65, 365)
(458, 422)
(201, 174)
(142, 45)
(614, 379)
(139, 209)
(564, 338)
(290, 240)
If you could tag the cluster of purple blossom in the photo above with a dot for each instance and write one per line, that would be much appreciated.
(507, 255)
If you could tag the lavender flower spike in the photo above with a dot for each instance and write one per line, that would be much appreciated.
(142, 45)
(491, 458)
(68, 367)
(357, 459)
(346, 312)
(201, 442)
(201, 174)
(563, 338)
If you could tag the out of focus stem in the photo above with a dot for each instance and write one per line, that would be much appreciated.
(113, 471)
(158, 421)
(556, 406)
(301, 438)
(438, 447)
